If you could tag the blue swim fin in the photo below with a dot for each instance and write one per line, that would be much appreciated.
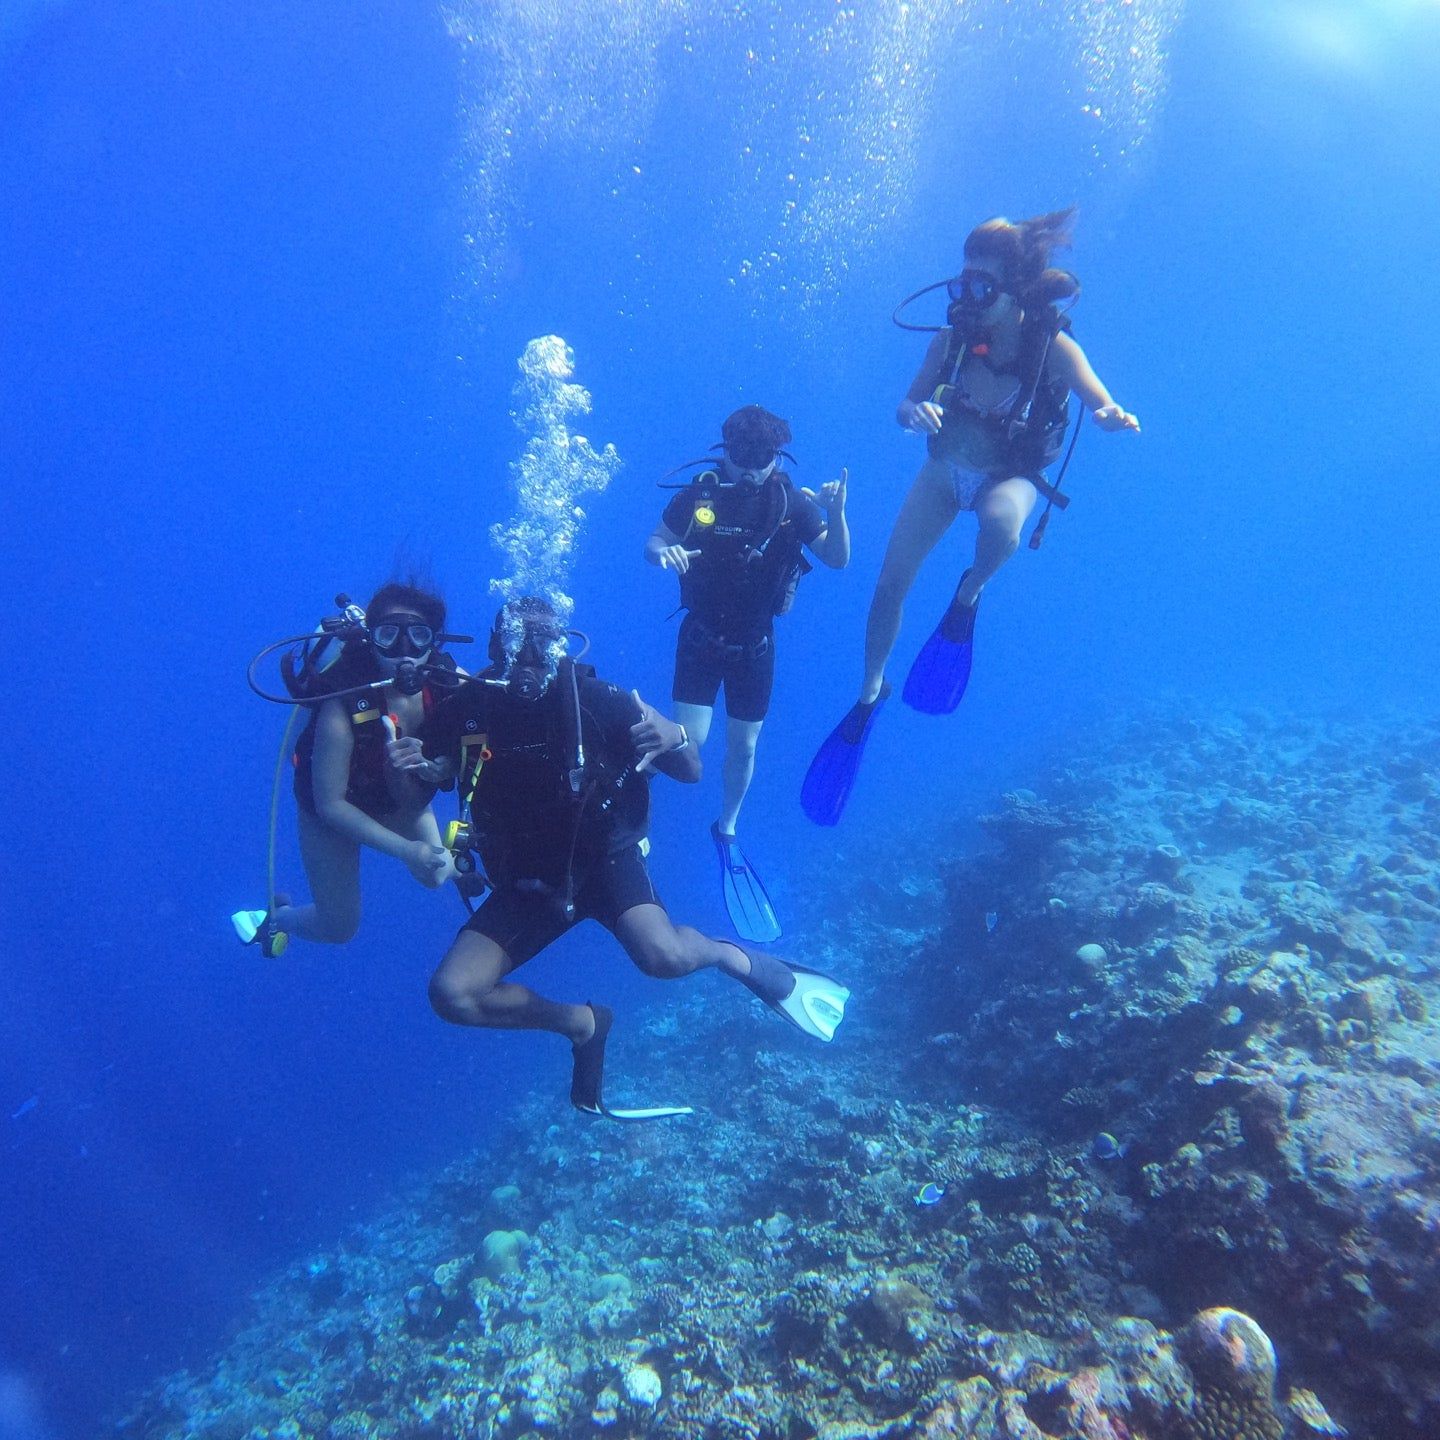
(832, 772)
(937, 680)
(746, 899)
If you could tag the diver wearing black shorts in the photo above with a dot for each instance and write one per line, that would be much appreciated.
(553, 768)
(736, 536)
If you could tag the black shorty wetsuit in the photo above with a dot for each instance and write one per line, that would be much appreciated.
(750, 554)
(539, 840)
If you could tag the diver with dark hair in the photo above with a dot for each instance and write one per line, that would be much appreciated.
(553, 768)
(379, 674)
(735, 535)
(992, 399)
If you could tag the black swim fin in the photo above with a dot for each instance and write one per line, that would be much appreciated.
(832, 772)
(937, 680)
(746, 899)
(587, 1078)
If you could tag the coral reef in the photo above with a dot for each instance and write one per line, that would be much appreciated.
(1173, 1077)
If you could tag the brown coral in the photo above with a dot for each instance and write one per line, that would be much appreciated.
(1233, 1365)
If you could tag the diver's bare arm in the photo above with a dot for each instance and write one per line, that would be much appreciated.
(1073, 366)
(832, 545)
(661, 539)
(924, 383)
(682, 765)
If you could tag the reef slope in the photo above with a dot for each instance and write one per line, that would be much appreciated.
(1161, 1048)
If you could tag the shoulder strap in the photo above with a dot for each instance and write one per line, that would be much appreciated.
(363, 709)
(956, 348)
(777, 507)
(1037, 336)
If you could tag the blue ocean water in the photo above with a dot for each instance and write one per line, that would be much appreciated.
(265, 276)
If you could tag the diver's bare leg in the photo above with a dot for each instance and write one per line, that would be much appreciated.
(927, 513)
(740, 739)
(1002, 510)
(696, 719)
(470, 988)
(667, 951)
(332, 866)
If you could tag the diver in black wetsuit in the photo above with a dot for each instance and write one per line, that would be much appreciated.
(736, 535)
(555, 765)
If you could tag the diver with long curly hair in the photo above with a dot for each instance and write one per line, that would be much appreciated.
(992, 400)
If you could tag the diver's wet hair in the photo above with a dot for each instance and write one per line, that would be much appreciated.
(404, 595)
(753, 427)
(1022, 250)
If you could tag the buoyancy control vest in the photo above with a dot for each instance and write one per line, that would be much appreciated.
(1027, 434)
(367, 789)
(534, 796)
(750, 563)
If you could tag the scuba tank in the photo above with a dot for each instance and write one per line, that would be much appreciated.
(304, 668)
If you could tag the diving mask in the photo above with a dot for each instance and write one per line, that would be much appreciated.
(752, 455)
(974, 289)
(527, 644)
(394, 638)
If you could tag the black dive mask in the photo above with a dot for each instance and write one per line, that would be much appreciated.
(750, 455)
(395, 639)
(972, 295)
(526, 646)
(974, 291)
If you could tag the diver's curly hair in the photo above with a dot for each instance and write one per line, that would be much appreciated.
(755, 425)
(408, 595)
(1022, 249)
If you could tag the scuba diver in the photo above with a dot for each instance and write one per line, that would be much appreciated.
(734, 536)
(553, 767)
(992, 399)
(366, 677)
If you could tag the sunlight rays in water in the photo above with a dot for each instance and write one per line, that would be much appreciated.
(1363, 39)
(807, 119)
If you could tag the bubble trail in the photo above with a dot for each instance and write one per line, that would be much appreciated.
(556, 470)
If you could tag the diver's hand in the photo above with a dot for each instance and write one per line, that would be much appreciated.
(652, 735)
(1116, 417)
(429, 864)
(408, 755)
(925, 417)
(677, 558)
(831, 495)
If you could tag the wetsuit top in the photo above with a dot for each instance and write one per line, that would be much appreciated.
(368, 789)
(733, 595)
(524, 812)
(993, 437)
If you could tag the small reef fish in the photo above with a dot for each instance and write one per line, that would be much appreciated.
(992, 919)
(1106, 1147)
(929, 1193)
(27, 1107)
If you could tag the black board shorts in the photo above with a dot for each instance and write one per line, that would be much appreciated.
(524, 922)
(704, 662)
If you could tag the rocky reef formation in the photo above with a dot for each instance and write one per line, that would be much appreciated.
(1130, 1099)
